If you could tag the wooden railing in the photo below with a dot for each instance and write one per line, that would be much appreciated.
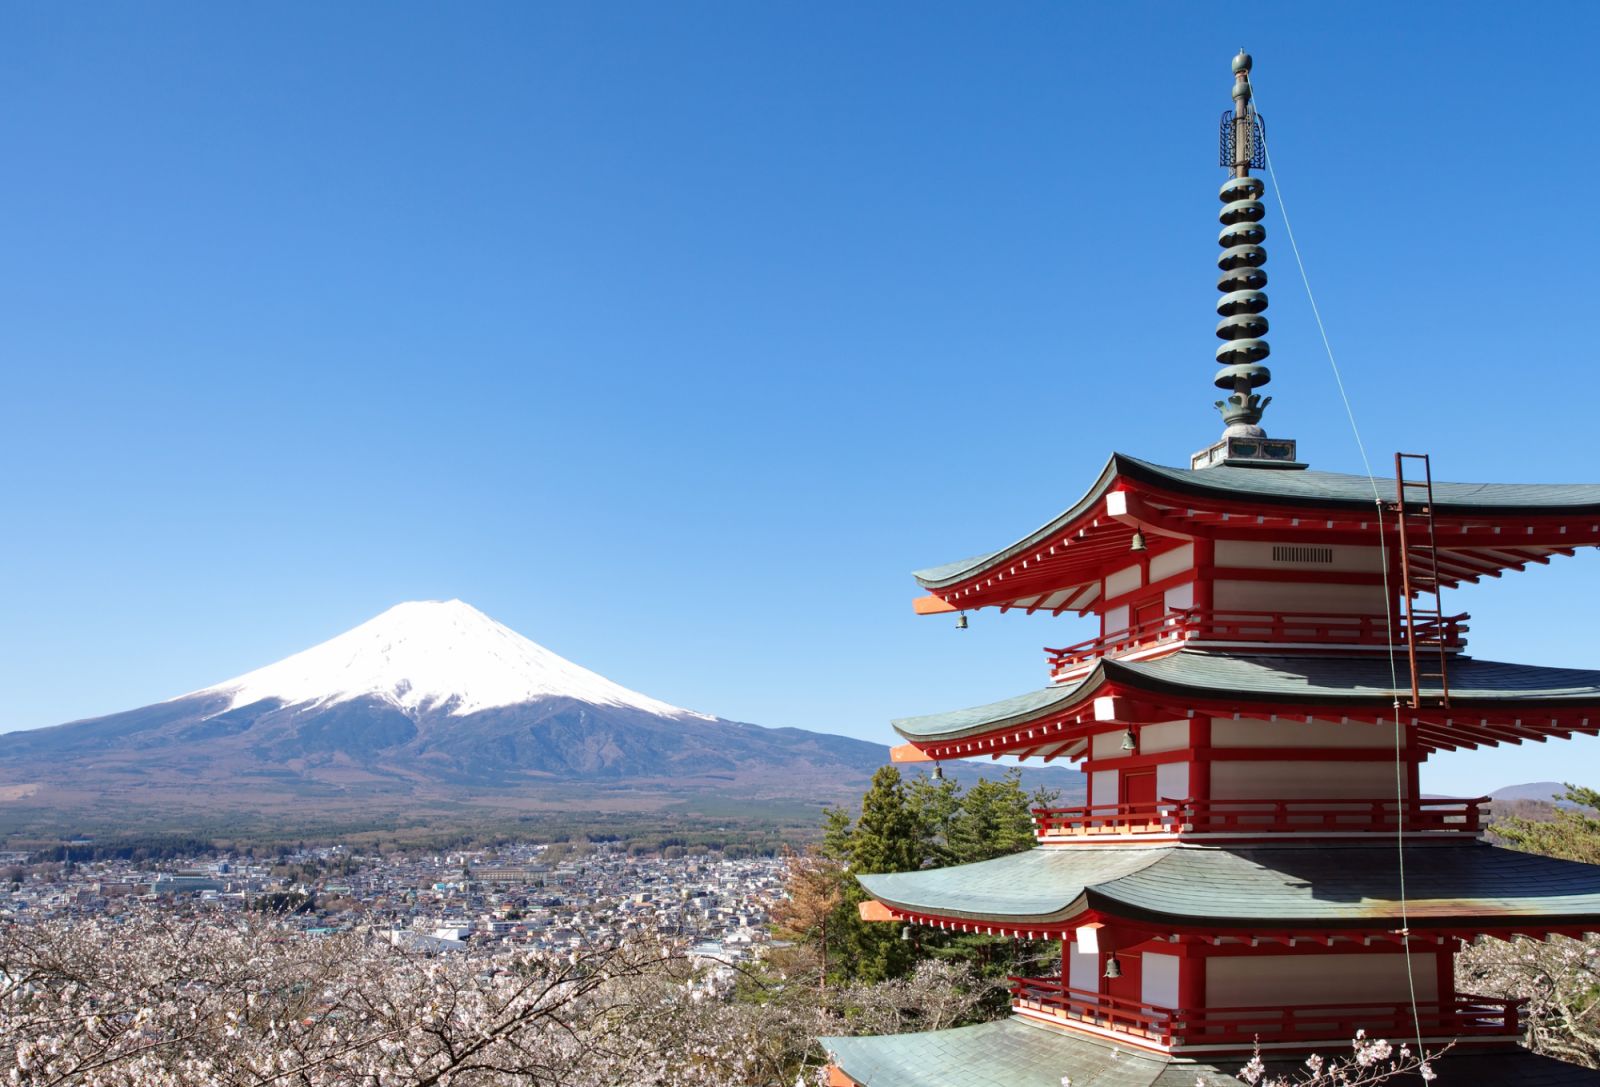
(1098, 1009)
(1172, 627)
(1463, 1016)
(1191, 624)
(1314, 816)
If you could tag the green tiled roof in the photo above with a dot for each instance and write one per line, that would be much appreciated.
(1320, 490)
(1019, 710)
(1323, 886)
(1352, 681)
(1019, 1053)
(1041, 885)
(1337, 488)
(1005, 1053)
(1364, 678)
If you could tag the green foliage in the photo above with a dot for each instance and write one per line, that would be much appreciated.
(905, 826)
(888, 837)
(137, 848)
(1573, 833)
(993, 820)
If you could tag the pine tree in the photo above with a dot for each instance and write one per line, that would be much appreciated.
(994, 819)
(887, 838)
(937, 803)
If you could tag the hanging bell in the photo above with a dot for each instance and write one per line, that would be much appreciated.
(1130, 742)
(905, 934)
(938, 772)
(1113, 967)
(961, 621)
(1138, 542)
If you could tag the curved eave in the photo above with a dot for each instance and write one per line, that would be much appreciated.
(1336, 495)
(1466, 887)
(1036, 887)
(1347, 492)
(953, 573)
(1019, 711)
(1490, 702)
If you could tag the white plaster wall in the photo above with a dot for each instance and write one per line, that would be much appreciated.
(1271, 980)
(1106, 745)
(1123, 581)
(1083, 970)
(1288, 733)
(1103, 787)
(1258, 555)
(1180, 596)
(1116, 619)
(1172, 562)
(1167, 736)
(1301, 780)
(1158, 979)
(1172, 781)
(1305, 599)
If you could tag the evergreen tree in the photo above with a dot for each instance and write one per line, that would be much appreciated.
(887, 838)
(993, 820)
(937, 803)
(837, 831)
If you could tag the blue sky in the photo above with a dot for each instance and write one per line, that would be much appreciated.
(673, 336)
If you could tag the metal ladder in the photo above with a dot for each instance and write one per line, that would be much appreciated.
(1425, 628)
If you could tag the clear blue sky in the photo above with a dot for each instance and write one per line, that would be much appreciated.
(674, 335)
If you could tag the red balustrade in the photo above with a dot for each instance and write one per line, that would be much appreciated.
(1099, 1009)
(1191, 624)
(1098, 819)
(1463, 1016)
(1423, 815)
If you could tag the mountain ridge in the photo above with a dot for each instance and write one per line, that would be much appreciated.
(430, 702)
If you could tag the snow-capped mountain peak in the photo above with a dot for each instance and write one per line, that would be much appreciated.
(432, 654)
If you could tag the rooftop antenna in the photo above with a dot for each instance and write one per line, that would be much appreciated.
(1242, 307)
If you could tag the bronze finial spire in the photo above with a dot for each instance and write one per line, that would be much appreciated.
(1243, 304)
(1242, 307)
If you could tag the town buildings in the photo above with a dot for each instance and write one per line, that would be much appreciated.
(518, 897)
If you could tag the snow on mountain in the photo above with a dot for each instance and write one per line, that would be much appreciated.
(431, 654)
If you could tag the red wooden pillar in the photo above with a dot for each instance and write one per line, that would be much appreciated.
(1192, 981)
(1200, 756)
(1205, 565)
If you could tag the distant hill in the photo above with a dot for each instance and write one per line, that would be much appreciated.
(434, 707)
(1546, 791)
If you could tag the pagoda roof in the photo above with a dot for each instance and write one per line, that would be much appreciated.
(1234, 682)
(1273, 888)
(1017, 1052)
(1014, 1052)
(1340, 495)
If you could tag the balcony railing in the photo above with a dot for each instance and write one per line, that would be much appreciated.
(1281, 628)
(1249, 817)
(1463, 1016)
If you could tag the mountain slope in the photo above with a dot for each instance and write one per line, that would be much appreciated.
(428, 700)
(429, 654)
(433, 706)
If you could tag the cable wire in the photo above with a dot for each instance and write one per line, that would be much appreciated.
(1383, 555)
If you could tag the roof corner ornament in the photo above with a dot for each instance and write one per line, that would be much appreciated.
(1242, 307)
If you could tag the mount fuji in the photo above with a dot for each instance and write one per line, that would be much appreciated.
(429, 701)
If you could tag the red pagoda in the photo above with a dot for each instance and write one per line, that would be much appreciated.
(1256, 864)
